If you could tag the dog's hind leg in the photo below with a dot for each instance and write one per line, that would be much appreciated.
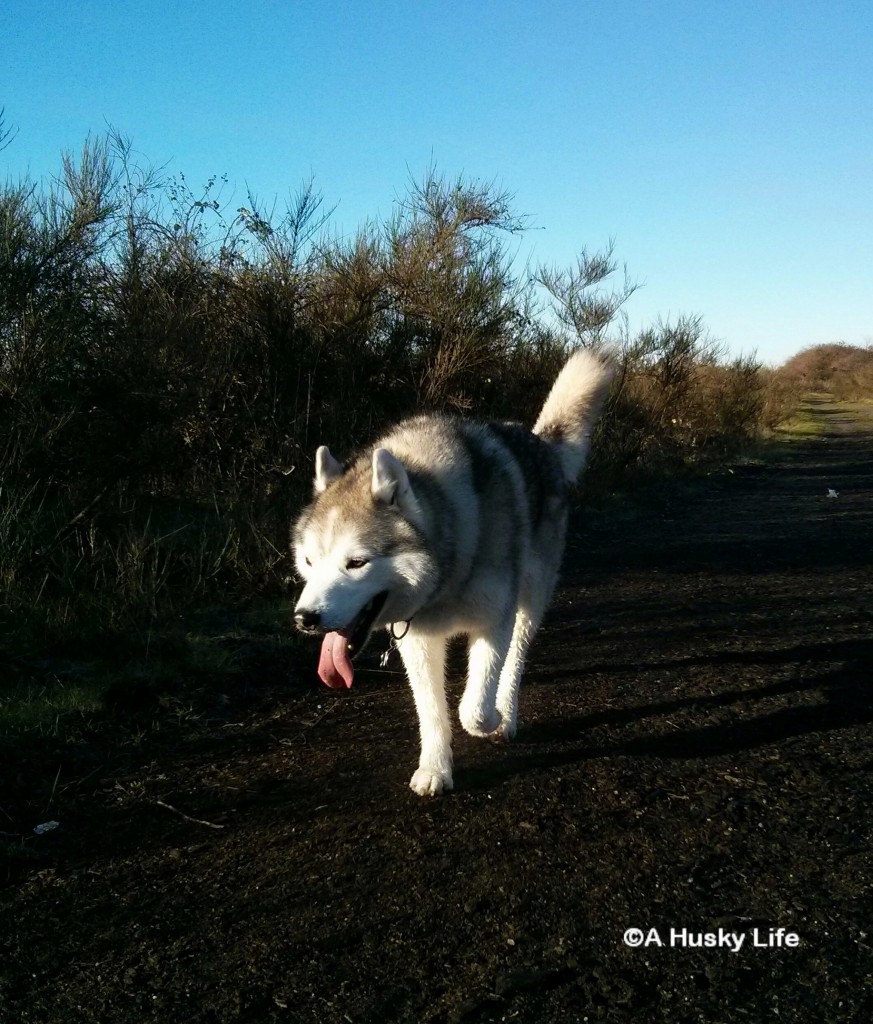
(424, 658)
(528, 617)
(525, 629)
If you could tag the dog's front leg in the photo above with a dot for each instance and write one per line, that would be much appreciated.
(478, 713)
(424, 658)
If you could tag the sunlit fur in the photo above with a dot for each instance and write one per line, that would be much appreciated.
(463, 524)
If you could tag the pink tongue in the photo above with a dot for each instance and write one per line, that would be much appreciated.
(335, 666)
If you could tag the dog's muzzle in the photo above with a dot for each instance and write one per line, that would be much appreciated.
(308, 621)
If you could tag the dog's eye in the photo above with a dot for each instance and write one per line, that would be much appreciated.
(356, 563)
(308, 562)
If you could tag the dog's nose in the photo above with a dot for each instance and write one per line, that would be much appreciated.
(307, 620)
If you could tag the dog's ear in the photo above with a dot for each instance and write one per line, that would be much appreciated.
(327, 469)
(390, 483)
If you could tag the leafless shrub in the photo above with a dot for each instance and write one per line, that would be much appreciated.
(677, 400)
(170, 358)
(584, 309)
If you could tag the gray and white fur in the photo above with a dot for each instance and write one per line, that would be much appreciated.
(452, 527)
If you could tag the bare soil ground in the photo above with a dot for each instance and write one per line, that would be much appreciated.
(695, 753)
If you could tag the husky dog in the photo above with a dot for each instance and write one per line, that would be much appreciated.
(446, 527)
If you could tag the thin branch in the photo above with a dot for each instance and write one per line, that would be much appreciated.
(187, 817)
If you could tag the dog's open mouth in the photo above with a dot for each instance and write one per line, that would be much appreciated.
(338, 648)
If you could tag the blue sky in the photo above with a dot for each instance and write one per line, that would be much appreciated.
(726, 147)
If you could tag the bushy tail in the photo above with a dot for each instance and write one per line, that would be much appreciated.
(573, 407)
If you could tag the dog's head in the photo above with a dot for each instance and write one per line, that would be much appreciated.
(360, 548)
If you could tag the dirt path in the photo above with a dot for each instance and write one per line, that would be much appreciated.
(695, 754)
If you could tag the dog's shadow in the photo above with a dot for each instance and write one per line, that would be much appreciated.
(848, 701)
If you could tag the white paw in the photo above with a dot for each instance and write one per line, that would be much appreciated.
(480, 723)
(430, 782)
